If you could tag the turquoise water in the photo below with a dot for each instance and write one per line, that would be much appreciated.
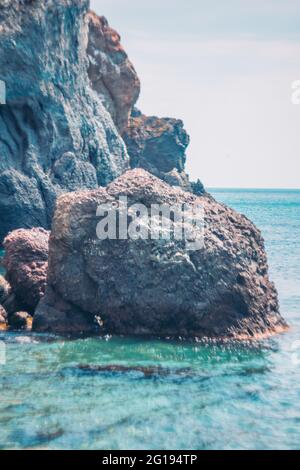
(200, 397)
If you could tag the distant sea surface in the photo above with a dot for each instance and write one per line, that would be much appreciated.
(203, 397)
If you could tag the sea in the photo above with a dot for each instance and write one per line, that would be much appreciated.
(58, 393)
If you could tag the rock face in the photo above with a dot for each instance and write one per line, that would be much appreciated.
(55, 133)
(26, 263)
(111, 73)
(158, 145)
(156, 287)
(5, 290)
(70, 94)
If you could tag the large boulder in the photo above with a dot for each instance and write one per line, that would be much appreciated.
(56, 133)
(163, 287)
(26, 264)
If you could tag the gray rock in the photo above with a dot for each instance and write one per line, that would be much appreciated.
(197, 187)
(159, 146)
(156, 143)
(156, 287)
(55, 133)
(72, 174)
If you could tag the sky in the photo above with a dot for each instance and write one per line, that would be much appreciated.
(226, 69)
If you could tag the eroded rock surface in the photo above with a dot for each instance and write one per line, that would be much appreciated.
(5, 290)
(55, 133)
(156, 287)
(111, 73)
(159, 146)
(26, 264)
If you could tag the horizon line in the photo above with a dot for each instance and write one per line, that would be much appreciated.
(248, 188)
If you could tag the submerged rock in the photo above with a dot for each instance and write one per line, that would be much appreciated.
(26, 263)
(158, 287)
(56, 134)
(146, 371)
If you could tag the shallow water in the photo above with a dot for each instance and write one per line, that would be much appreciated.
(202, 396)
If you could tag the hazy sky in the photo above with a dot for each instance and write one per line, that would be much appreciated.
(225, 68)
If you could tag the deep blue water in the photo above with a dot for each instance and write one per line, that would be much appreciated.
(213, 397)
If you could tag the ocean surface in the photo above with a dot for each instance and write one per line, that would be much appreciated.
(239, 396)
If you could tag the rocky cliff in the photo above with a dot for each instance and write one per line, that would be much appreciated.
(55, 133)
(69, 111)
(71, 90)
